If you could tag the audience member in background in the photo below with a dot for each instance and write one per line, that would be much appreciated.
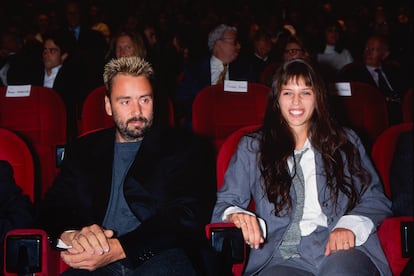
(10, 45)
(133, 199)
(222, 64)
(96, 22)
(261, 55)
(16, 210)
(152, 44)
(175, 56)
(126, 44)
(40, 27)
(91, 45)
(401, 176)
(375, 64)
(332, 55)
(60, 71)
(289, 47)
(313, 184)
(294, 47)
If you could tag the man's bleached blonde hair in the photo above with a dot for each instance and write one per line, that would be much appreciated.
(133, 66)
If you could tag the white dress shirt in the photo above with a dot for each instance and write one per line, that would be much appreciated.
(216, 67)
(48, 81)
(334, 59)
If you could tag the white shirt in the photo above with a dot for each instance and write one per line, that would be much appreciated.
(312, 213)
(216, 67)
(48, 81)
(334, 59)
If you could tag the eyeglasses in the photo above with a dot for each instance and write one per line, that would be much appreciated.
(233, 41)
(50, 50)
(293, 51)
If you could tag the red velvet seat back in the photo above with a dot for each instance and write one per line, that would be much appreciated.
(41, 118)
(384, 149)
(93, 111)
(365, 110)
(224, 156)
(389, 231)
(15, 150)
(217, 113)
(266, 77)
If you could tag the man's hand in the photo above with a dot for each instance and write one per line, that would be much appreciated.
(91, 262)
(250, 228)
(340, 239)
(93, 239)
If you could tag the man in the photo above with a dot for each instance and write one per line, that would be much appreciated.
(222, 64)
(91, 45)
(134, 198)
(10, 46)
(261, 56)
(60, 71)
(378, 71)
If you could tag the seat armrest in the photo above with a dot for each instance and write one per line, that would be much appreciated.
(29, 251)
(227, 240)
(395, 247)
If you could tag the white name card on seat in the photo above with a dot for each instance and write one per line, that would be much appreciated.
(18, 91)
(235, 86)
(341, 89)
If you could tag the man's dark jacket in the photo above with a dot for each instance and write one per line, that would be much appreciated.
(170, 188)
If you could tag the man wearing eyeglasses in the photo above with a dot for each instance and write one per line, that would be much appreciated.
(223, 63)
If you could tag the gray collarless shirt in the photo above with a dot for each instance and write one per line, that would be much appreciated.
(119, 216)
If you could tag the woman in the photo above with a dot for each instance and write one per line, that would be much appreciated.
(336, 215)
(332, 55)
(126, 44)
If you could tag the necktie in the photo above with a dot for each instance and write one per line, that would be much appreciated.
(288, 247)
(223, 73)
(382, 83)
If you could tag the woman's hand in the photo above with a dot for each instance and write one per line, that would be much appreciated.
(249, 225)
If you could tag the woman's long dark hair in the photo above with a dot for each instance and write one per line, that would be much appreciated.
(325, 136)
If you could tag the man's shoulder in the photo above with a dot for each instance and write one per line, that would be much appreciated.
(93, 139)
(176, 140)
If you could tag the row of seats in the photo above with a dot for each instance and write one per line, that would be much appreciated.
(216, 113)
(41, 117)
(14, 149)
(40, 120)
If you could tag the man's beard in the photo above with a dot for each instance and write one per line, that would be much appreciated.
(136, 132)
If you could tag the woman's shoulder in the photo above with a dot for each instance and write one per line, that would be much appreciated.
(353, 137)
(250, 141)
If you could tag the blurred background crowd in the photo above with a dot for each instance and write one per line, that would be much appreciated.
(170, 34)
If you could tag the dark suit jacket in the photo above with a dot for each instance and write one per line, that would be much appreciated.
(69, 85)
(359, 72)
(90, 50)
(170, 188)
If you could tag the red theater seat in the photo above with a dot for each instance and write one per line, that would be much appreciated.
(41, 118)
(217, 113)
